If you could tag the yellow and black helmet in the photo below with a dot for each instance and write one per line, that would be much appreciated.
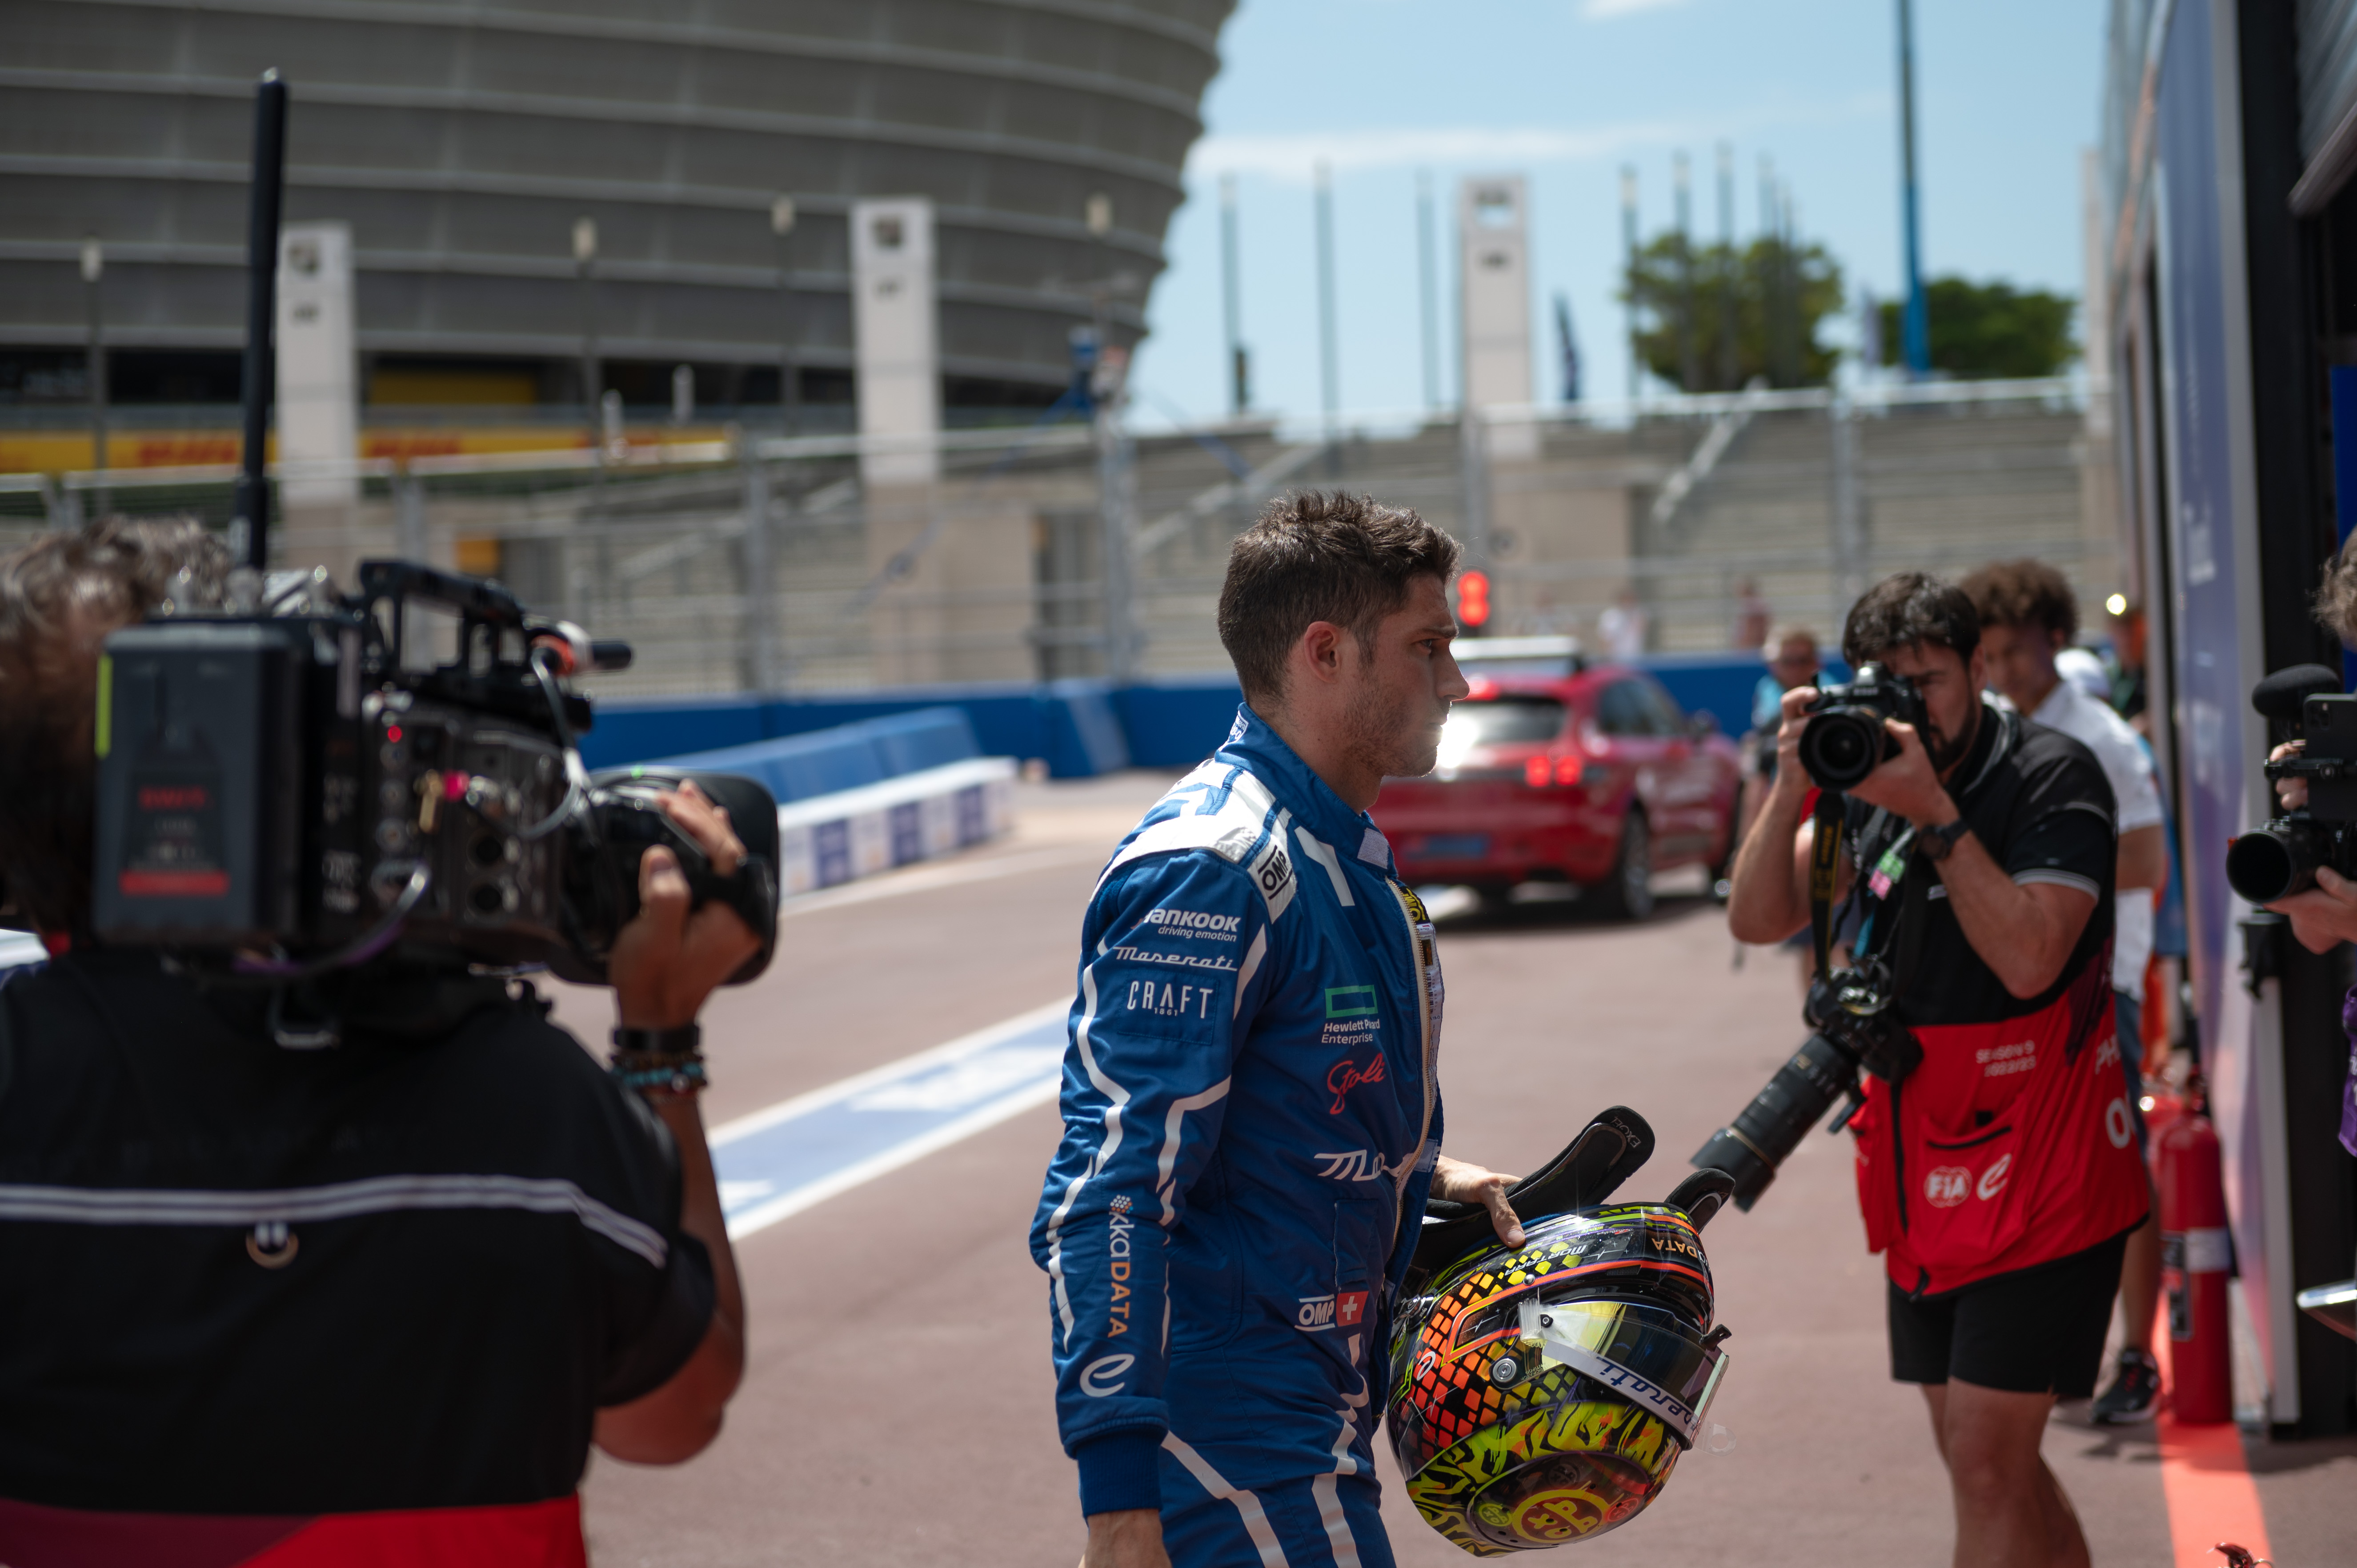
(1542, 1395)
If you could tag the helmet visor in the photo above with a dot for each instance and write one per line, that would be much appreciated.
(1641, 1353)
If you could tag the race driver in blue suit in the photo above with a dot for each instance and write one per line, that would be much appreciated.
(1252, 1122)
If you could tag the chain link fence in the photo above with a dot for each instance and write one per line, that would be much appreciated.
(1088, 550)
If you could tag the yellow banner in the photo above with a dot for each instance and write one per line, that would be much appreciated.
(58, 451)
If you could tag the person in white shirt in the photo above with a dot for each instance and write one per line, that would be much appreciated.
(2029, 616)
(1622, 626)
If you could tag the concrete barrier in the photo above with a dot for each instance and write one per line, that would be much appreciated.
(829, 839)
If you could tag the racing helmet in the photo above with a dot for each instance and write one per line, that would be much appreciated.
(1541, 1394)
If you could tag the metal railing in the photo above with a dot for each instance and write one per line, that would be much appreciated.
(770, 563)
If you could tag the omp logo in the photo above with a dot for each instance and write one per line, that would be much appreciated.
(1353, 1164)
(1318, 1313)
(1193, 920)
(1100, 1378)
(1350, 1002)
(1170, 1000)
(1992, 1181)
(1275, 874)
(1947, 1187)
(1347, 1076)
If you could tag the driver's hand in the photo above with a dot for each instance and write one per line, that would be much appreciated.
(670, 957)
(1459, 1182)
(2326, 915)
(1126, 1538)
(2292, 792)
(1907, 785)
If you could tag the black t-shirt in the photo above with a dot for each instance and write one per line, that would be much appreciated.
(475, 1238)
(2041, 806)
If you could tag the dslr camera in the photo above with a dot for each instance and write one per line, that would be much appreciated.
(1845, 739)
(306, 781)
(2282, 858)
(1855, 1029)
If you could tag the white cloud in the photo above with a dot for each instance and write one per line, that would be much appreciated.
(1604, 10)
(1292, 155)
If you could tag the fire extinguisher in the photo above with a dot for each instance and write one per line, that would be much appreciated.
(2196, 1256)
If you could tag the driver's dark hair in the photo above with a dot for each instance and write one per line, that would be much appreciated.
(1315, 557)
(1909, 608)
(59, 597)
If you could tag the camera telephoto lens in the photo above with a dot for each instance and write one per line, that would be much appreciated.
(2276, 860)
(1842, 746)
(1766, 1131)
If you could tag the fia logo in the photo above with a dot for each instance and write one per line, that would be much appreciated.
(1946, 1187)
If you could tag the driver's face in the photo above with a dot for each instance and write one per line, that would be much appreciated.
(1950, 689)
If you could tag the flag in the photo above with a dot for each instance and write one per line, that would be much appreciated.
(1570, 349)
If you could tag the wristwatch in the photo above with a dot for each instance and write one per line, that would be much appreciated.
(1935, 843)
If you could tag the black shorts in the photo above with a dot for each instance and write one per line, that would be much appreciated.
(2033, 1331)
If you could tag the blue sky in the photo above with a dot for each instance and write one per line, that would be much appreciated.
(1566, 91)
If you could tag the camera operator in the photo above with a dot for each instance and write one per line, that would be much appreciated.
(2029, 616)
(360, 1294)
(2325, 915)
(2000, 1173)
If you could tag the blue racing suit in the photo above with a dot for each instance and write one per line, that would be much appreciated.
(1250, 1125)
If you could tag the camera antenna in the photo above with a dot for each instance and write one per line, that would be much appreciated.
(250, 520)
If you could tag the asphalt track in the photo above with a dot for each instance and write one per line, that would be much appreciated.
(897, 1408)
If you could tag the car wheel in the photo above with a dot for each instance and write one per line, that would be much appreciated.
(1628, 893)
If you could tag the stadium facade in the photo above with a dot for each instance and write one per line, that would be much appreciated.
(462, 143)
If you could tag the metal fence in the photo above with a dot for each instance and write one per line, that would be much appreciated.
(1078, 550)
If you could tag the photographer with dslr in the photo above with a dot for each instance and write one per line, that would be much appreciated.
(1997, 1163)
(327, 1295)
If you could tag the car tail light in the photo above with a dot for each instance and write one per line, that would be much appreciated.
(1535, 772)
(1567, 771)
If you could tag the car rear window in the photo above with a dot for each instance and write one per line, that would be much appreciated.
(1501, 720)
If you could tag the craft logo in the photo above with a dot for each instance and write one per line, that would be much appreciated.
(1992, 1181)
(1347, 1076)
(1319, 1313)
(1947, 1187)
(1193, 923)
(1118, 1227)
(1170, 1000)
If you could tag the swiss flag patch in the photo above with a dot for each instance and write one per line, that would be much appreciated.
(1350, 1306)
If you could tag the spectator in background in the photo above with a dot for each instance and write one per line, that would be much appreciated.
(1621, 627)
(1750, 615)
(2126, 663)
(1793, 660)
(2027, 617)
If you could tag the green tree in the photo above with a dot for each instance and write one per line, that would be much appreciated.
(1982, 331)
(1782, 294)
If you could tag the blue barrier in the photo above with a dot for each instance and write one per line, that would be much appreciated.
(1079, 727)
(848, 757)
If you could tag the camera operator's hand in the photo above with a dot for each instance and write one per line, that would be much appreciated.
(2326, 915)
(670, 957)
(1907, 785)
(1459, 1182)
(1792, 779)
(2292, 792)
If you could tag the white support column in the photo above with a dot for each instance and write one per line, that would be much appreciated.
(1494, 307)
(895, 326)
(318, 375)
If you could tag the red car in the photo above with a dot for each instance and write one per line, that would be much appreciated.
(1557, 770)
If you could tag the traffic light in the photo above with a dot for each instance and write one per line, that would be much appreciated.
(1473, 600)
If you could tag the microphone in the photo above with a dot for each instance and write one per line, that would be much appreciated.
(2283, 694)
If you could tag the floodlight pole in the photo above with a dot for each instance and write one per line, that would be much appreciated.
(1330, 369)
(1427, 296)
(1232, 302)
(1729, 314)
(250, 515)
(1629, 276)
(1689, 342)
(1916, 331)
(93, 267)
(584, 261)
(790, 391)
